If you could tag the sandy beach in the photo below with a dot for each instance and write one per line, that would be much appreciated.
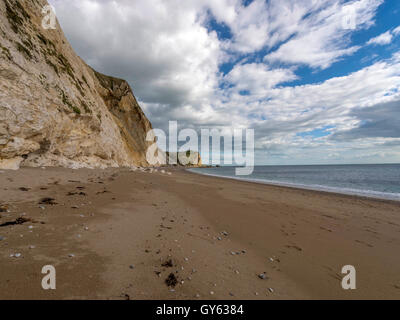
(122, 234)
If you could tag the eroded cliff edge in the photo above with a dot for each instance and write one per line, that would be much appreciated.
(54, 109)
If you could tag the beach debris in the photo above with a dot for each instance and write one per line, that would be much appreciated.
(233, 253)
(224, 233)
(219, 238)
(71, 255)
(42, 207)
(20, 220)
(168, 264)
(186, 259)
(197, 295)
(32, 247)
(1, 238)
(271, 290)
(212, 293)
(24, 189)
(237, 271)
(263, 276)
(86, 228)
(49, 201)
(132, 267)
(81, 193)
(171, 280)
(4, 208)
(15, 255)
(271, 259)
(125, 296)
(231, 294)
(30, 227)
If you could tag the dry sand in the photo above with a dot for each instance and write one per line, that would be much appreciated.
(112, 234)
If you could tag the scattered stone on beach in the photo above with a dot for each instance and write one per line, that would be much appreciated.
(132, 267)
(71, 255)
(20, 220)
(262, 276)
(212, 293)
(224, 233)
(86, 228)
(15, 255)
(4, 208)
(42, 207)
(233, 253)
(168, 264)
(81, 193)
(271, 290)
(197, 295)
(171, 280)
(49, 201)
(24, 189)
(219, 238)
(32, 247)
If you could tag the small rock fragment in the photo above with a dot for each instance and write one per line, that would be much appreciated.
(262, 276)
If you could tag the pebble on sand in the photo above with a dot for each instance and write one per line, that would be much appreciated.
(262, 276)
(71, 255)
(131, 266)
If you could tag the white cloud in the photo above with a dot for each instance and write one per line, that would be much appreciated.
(321, 39)
(257, 78)
(396, 31)
(382, 39)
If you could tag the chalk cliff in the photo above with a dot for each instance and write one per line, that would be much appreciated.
(54, 109)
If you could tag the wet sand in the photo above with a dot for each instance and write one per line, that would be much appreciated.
(119, 234)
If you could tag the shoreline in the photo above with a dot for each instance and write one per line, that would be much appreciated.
(111, 234)
(329, 190)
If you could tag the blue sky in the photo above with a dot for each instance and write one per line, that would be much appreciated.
(318, 81)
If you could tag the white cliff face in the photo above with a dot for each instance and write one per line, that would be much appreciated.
(54, 109)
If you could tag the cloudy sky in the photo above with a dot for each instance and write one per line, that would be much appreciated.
(318, 80)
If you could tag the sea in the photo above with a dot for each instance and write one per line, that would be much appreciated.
(369, 180)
